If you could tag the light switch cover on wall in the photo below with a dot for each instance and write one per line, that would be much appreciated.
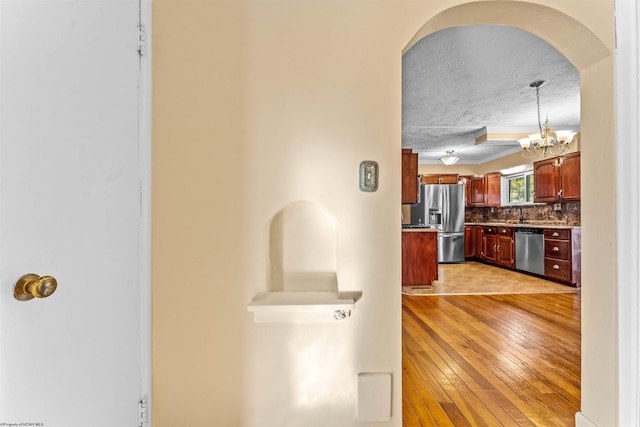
(374, 397)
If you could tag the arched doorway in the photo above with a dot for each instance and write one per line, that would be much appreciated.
(594, 61)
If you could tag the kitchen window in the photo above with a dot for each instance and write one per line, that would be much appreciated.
(517, 189)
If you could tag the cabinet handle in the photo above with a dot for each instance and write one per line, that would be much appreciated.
(504, 231)
(555, 234)
(556, 267)
(560, 193)
(555, 249)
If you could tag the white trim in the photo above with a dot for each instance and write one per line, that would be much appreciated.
(144, 150)
(504, 188)
(582, 421)
(627, 15)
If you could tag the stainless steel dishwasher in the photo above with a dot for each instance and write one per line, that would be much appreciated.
(530, 250)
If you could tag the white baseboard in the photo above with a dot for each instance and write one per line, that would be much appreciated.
(582, 421)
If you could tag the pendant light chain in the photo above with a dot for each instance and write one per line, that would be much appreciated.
(538, 103)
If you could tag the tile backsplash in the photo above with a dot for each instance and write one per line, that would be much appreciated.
(569, 214)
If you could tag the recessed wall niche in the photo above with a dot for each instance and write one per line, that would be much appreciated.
(303, 249)
(302, 276)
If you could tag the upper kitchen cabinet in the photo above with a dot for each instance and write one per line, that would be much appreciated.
(570, 177)
(409, 176)
(440, 179)
(557, 179)
(476, 191)
(492, 189)
(483, 190)
(546, 180)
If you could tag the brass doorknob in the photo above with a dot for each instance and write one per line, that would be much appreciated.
(32, 286)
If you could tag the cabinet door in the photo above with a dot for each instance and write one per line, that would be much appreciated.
(409, 176)
(476, 191)
(469, 242)
(419, 258)
(439, 179)
(545, 181)
(477, 231)
(570, 177)
(504, 254)
(492, 189)
(430, 179)
(449, 179)
(489, 244)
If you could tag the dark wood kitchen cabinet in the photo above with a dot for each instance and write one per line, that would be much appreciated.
(489, 244)
(570, 177)
(483, 190)
(419, 257)
(505, 247)
(492, 189)
(498, 246)
(546, 181)
(476, 191)
(409, 176)
(557, 179)
(562, 255)
(469, 242)
(477, 231)
(440, 179)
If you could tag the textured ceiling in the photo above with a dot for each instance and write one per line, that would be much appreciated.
(463, 82)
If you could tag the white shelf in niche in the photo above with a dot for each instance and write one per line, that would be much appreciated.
(303, 306)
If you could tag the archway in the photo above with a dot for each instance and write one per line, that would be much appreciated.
(594, 60)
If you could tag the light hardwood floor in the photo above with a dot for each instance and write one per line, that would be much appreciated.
(491, 360)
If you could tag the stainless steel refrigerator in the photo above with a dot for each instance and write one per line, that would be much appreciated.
(444, 210)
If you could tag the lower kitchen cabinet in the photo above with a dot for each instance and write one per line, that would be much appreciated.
(497, 246)
(419, 257)
(505, 249)
(562, 255)
(469, 242)
(489, 244)
(477, 241)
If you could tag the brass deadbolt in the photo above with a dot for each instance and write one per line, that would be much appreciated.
(32, 286)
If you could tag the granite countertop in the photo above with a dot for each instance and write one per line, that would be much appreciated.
(406, 227)
(419, 229)
(523, 225)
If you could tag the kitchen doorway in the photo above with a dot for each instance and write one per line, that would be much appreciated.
(593, 58)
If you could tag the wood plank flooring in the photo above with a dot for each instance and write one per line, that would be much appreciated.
(490, 360)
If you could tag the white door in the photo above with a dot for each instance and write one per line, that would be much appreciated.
(70, 208)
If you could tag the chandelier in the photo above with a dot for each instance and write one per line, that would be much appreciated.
(547, 142)
(449, 159)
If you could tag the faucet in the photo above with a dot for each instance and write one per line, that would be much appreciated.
(521, 215)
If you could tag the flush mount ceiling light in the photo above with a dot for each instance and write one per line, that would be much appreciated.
(449, 159)
(547, 142)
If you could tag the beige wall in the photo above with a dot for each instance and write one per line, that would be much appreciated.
(260, 104)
